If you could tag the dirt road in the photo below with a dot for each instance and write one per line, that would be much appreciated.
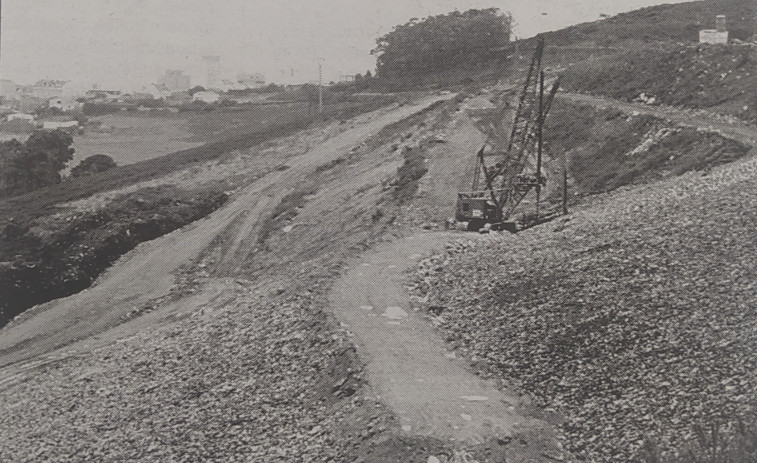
(737, 131)
(147, 274)
(431, 391)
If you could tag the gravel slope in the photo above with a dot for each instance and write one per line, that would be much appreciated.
(634, 316)
(249, 367)
(217, 386)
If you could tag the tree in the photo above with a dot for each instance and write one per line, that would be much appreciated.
(93, 164)
(195, 89)
(368, 74)
(441, 42)
(270, 88)
(37, 162)
(9, 173)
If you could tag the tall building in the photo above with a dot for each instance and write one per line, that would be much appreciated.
(213, 66)
(175, 80)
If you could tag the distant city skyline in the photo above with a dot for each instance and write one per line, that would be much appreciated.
(127, 44)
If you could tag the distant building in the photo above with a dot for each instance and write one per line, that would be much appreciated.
(213, 67)
(64, 104)
(719, 35)
(346, 78)
(175, 80)
(20, 117)
(229, 84)
(253, 80)
(158, 91)
(44, 89)
(101, 96)
(53, 125)
(207, 97)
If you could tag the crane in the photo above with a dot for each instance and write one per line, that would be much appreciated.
(499, 182)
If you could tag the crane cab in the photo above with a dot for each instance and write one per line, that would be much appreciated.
(475, 208)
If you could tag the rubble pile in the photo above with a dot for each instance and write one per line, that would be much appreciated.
(633, 317)
(256, 377)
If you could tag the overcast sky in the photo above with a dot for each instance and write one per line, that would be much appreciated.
(126, 43)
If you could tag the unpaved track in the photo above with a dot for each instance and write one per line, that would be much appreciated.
(148, 272)
(739, 132)
(432, 392)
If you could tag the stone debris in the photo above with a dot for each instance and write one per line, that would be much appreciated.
(633, 317)
(245, 384)
(395, 313)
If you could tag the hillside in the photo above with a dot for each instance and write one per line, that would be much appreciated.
(665, 23)
(717, 78)
(632, 316)
(297, 293)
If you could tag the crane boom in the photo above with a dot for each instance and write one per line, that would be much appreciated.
(504, 182)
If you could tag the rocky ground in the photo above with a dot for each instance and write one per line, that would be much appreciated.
(633, 316)
(144, 391)
(260, 373)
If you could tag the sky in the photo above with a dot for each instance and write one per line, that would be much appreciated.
(128, 43)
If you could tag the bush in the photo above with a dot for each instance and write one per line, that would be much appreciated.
(100, 109)
(93, 164)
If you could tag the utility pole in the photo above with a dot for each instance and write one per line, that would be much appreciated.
(320, 85)
(565, 190)
(1, 22)
(539, 128)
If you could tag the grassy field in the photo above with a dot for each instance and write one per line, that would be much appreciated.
(250, 129)
(131, 137)
(134, 137)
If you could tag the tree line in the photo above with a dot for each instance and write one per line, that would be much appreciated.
(39, 161)
(442, 42)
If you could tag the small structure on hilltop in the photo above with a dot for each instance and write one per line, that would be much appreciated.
(719, 35)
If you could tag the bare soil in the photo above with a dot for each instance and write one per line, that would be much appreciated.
(432, 391)
(147, 273)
